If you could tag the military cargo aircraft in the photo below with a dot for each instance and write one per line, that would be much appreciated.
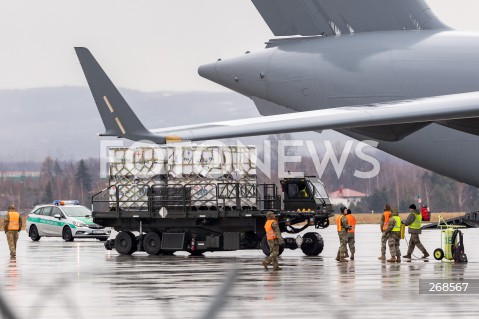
(383, 70)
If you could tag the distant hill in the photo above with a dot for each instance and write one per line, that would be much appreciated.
(63, 122)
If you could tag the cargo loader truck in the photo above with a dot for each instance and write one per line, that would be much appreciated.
(197, 199)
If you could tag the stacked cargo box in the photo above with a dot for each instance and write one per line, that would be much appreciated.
(202, 171)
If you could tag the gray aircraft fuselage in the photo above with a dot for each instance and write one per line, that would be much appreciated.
(306, 74)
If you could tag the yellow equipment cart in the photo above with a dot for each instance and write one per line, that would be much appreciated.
(447, 232)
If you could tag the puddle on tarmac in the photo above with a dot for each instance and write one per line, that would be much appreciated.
(53, 279)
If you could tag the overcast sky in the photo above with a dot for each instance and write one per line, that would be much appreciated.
(149, 45)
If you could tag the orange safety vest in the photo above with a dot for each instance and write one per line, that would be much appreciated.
(14, 221)
(387, 215)
(268, 227)
(338, 222)
(352, 222)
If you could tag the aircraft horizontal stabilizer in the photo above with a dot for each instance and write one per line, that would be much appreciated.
(121, 121)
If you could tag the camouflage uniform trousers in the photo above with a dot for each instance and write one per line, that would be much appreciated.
(351, 243)
(413, 242)
(394, 240)
(12, 237)
(384, 240)
(343, 242)
(274, 253)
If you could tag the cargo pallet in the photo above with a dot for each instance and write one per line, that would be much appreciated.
(170, 220)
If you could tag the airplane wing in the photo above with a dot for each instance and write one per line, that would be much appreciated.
(332, 17)
(120, 120)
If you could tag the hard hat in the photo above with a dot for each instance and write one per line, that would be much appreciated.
(270, 215)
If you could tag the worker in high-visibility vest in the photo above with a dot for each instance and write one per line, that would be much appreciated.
(394, 237)
(351, 232)
(273, 235)
(414, 221)
(12, 226)
(383, 224)
(303, 193)
(342, 227)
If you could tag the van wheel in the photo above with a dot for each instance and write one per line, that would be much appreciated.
(265, 247)
(33, 233)
(67, 234)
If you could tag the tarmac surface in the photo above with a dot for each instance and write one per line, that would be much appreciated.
(55, 279)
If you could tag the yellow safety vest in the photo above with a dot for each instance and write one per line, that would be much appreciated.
(416, 224)
(303, 193)
(397, 225)
(13, 221)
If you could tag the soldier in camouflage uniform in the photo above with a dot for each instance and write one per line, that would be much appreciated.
(273, 234)
(414, 221)
(351, 232)
(12, 226)
(394, 237)
(343, 227)
(383, 224)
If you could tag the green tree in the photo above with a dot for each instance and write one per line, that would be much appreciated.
(83, 176)
(374, 202)
(47, 168)
(48, 193)
(57, 169)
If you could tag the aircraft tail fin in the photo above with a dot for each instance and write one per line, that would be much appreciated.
(118, 118)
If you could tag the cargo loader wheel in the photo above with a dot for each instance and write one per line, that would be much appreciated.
(313, 244)
(125, 243)
(438, 254)
(152, 243)
(265, 247)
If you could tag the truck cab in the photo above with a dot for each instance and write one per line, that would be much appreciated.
(305, 194)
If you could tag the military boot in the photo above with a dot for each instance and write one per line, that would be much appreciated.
(342, 260)
(398, 259)
(352, 256)
(425, 255)
(391, 260)
(265, 265)
(276, 266)
(407, 256)
(383, 258)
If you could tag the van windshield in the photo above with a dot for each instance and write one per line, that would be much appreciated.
(76, 211)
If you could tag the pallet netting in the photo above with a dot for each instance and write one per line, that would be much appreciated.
(130, 196)
(211, 161)
(200, 169)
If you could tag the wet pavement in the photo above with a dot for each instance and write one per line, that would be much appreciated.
(55, 279)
